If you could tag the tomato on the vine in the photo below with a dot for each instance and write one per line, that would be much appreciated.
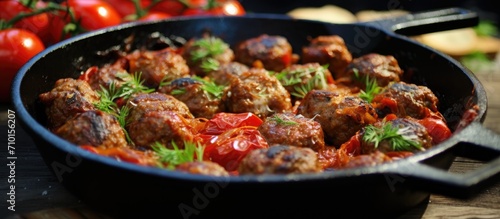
(171, 7)
(38, 24)
(94, 14)
(127, 7)
(154, 15)
(17, 46)
(214, 7)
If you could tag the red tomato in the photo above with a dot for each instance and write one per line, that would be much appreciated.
(437, 129)
(228, 7)
(17, 46)
(124, 154)
(222, 122)
(94, 14)
(38, 24)
(172, 7)
(230, 147)
(154, 15)
(127, 7)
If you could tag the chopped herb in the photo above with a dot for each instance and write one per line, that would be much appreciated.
(400, 139)
(486, 28)
(208, 48)
(209, 65)
(371, 86)
(211, 87)
(281, 121)
(176, 156)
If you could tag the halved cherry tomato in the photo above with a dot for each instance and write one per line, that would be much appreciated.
(436, 128)
(124, 154)
(94, 14)
(17, 46)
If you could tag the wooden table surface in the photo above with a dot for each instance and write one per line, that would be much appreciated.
(38, 194)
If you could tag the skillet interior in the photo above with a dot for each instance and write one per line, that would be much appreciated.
(129, 190)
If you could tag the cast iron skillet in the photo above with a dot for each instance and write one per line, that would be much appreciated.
(128, 190)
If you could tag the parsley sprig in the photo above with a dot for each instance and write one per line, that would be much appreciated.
(211, 87)
(296, 77)
(400, 139)
(207, 47)
(371, 86)
(108, 97)
(173, 157)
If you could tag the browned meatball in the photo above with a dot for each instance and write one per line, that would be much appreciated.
(290, 129)
(203, 168)
(200, 51)
(367, 160)
(102, 77)
(273, 53)
(164, 127)
(158, 66)
(415, 136)
(329, 50)
(142, 103)
(68, 98)
(404, 99)
(257, 92)
(94, 128)
(298, 79)
(382, 68)
(340, 116)
(280, 159)
(227, 70)
(203, 98)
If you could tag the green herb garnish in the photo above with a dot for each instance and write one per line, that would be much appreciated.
(371, 86)
(173, 157)
(210, 87)
(281, 121)
(208, 47)
(400, 139)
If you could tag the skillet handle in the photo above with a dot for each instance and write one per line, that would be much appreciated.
(475, 142)
(428, 21)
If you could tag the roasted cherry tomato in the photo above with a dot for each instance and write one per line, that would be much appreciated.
(230, 147)
(17, 46)
(94, 14)
(124, 154)
(222, 122)
(436, 128)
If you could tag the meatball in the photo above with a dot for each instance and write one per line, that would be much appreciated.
(290, 129)
(280, 159)
(158, 66)
(226, 71)
(102, 77)
(340, 116)
(257, 92)
(404, 99)
(165, 127)
(198, 52)
(68, 98)
(367, 160)
(203, 168)
(94, 128)
(274, 53)
(142, 103)
(411, 135)
(329, 50)
(382, 68)
(203, 98)
(298, 79)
